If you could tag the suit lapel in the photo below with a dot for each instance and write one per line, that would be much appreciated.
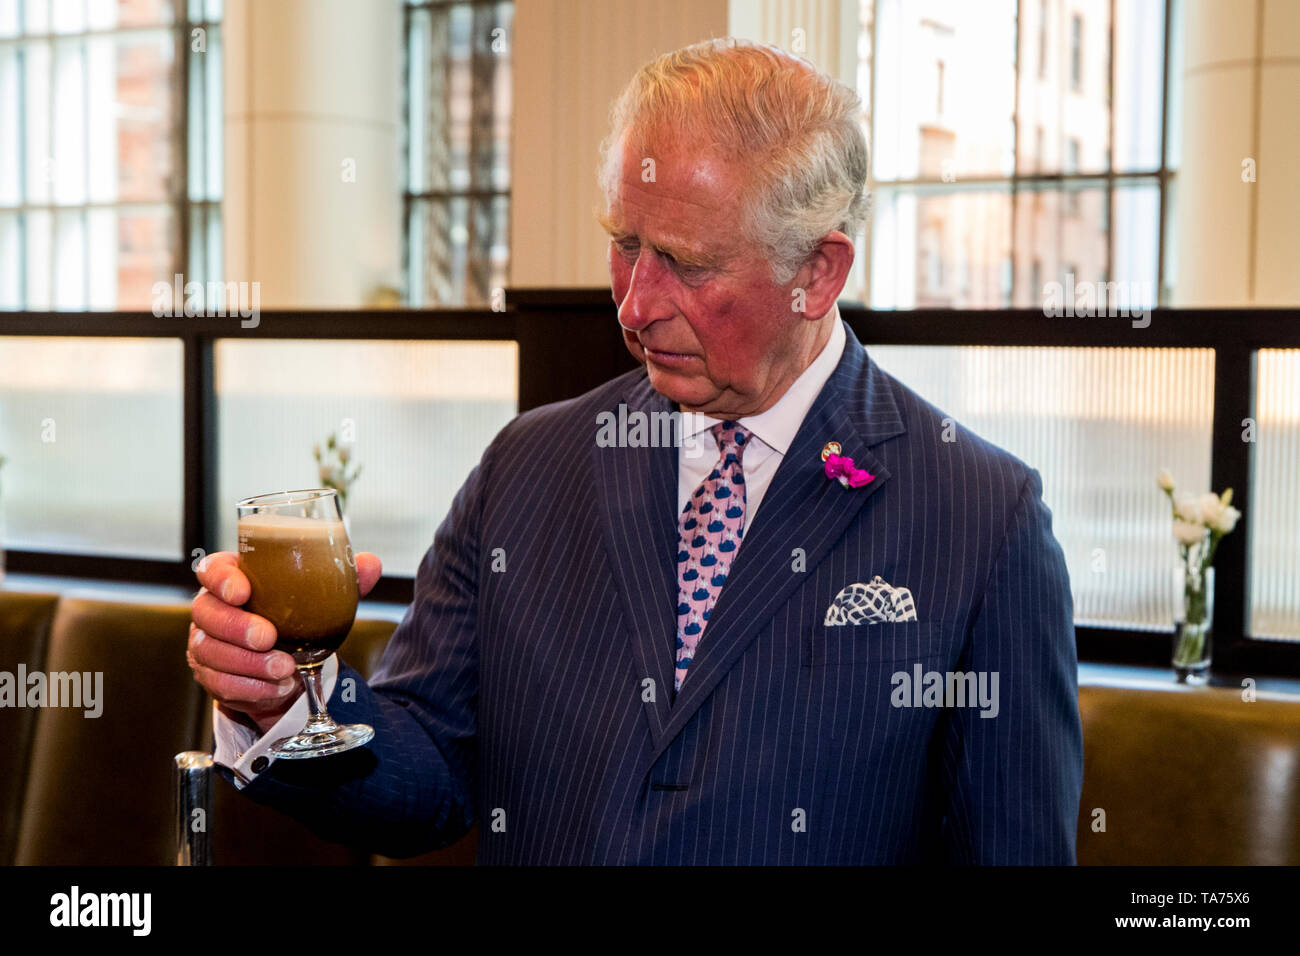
(636, 493)
(636, 498)
(801, 508)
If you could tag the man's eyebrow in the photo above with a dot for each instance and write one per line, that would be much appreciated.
(607, 223)
(683, 256)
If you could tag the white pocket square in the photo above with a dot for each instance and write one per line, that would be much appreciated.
(872, 603)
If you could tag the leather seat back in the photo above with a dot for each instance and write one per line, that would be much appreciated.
(99, 789)
(24, 635)
(1191, 776)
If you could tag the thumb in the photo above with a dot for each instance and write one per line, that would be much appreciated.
(369, 570)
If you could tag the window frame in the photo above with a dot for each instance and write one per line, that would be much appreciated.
(177, 197)
(411, 198)
(1028, 175)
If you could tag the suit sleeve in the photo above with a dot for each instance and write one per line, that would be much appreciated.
(411, 789)
(1012, 781)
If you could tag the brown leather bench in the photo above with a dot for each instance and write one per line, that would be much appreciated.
(24, 632)
(78, 790)
(1184, 776)
(97, 787)
(1189, 776)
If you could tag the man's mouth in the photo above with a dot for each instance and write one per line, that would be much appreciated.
(660, 357)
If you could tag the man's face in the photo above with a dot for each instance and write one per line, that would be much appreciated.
(696, 301)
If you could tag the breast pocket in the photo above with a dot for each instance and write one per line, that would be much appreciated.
(865, 644)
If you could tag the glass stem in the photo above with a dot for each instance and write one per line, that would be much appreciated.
(319, 722)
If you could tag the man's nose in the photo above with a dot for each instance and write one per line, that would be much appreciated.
(646, 299)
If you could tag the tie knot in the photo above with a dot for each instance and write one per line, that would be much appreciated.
(731, 439)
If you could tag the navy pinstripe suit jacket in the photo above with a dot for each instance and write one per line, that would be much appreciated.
(529, 687)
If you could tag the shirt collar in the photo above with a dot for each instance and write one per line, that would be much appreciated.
(777, 426)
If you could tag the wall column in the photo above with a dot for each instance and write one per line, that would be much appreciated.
(1237, 242)
(571, 59)
(312, 192)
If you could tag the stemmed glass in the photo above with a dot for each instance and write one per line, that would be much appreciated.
(294, 549)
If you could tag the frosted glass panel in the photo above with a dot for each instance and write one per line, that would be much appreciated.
(1274, 513)
(91, 432)
(418, 415)
(1098, 424)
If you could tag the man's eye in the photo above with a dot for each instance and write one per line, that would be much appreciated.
(627, 247)
(690, 273)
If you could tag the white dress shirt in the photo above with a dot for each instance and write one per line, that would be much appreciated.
(239, 747)
(774, 430)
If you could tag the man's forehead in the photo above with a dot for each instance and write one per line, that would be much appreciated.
(676, 198)
(659, 160)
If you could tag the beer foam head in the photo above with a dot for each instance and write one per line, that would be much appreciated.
(271, 525)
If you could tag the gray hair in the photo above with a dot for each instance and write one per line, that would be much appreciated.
(797, 131)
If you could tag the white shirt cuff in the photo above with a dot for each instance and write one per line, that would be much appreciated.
(240, 748)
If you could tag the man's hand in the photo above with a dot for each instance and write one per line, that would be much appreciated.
(231, 651)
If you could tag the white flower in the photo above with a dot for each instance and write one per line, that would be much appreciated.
(1187, 508)
(1165, 480)
(1225, 521)
(326, 473)
(1211, 508)
(1188, 532)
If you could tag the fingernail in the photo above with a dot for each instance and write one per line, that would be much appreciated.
(254, 633)
(285, 687)
(278, 667)
(199, 636)
(226, 589)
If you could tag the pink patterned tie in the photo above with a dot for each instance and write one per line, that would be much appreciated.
(712, 525)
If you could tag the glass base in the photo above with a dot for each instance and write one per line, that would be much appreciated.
(324, 743)
(1195, 674)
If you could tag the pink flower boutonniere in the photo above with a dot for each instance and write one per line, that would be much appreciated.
(842, 467)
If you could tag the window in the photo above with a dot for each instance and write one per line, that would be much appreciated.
(1138, 410)
(97, 202)
(275, 398)
(457, 157)
(1274, 520)
(1042, 39)
(204, 139)
(1071, 167)
(1031, 164)
(83, 471)
(1076, 53)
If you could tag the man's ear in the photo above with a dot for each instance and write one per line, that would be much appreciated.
(821, 278)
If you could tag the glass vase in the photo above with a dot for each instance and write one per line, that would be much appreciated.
(1193, 624)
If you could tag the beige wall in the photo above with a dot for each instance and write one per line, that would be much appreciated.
(309, 86)
(571, 58)
(1238, 242)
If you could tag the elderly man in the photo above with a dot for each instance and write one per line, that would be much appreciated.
(824, 626)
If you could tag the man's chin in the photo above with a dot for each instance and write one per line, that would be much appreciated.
(685, 390)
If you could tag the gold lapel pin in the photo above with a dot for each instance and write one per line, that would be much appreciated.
(830, 448)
